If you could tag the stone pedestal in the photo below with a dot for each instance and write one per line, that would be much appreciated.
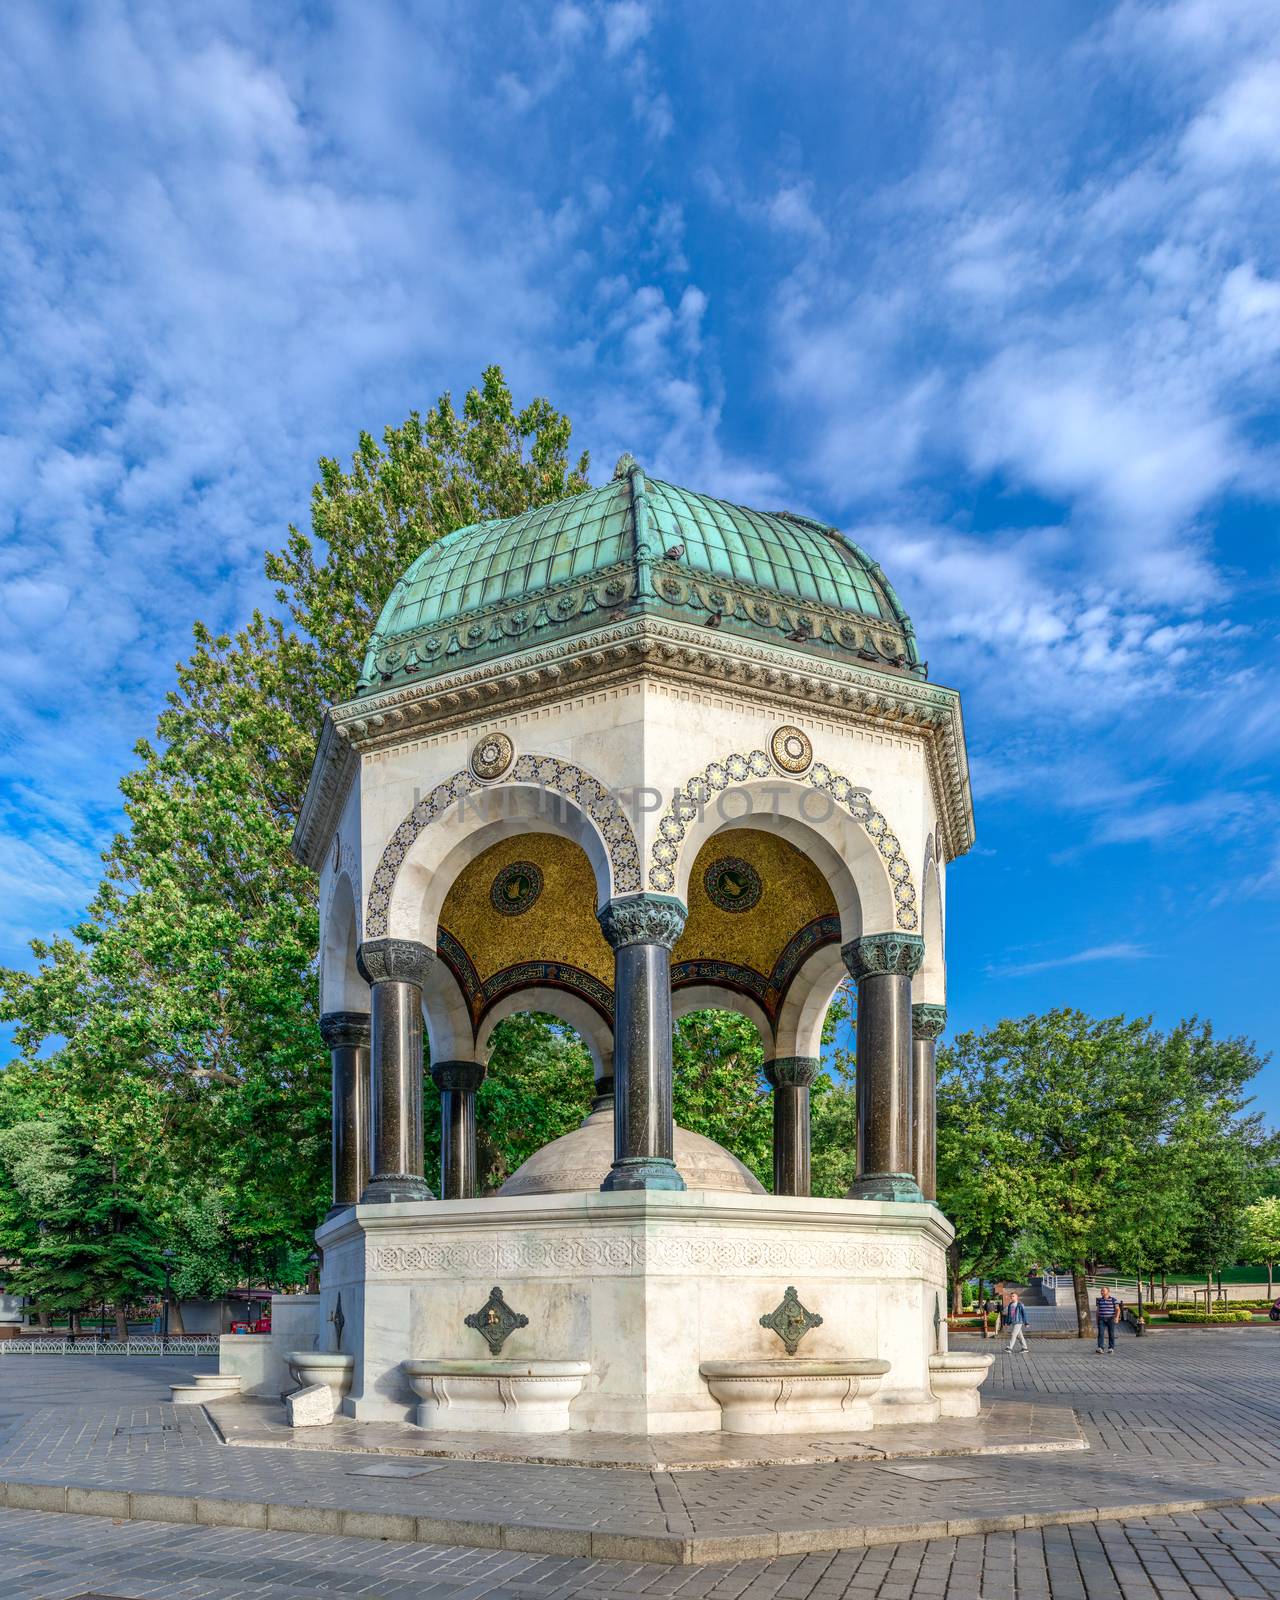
(643, 1287)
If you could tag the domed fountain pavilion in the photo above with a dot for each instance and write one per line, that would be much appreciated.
(617, 759)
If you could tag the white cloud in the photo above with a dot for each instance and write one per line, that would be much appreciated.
(625, 23)
(1240, 127)
(1120, 951)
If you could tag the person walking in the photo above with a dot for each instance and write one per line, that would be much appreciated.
(1015, 1316)
(1108, 1310)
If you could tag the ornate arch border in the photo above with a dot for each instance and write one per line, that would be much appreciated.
(740, 767)
(548, 772)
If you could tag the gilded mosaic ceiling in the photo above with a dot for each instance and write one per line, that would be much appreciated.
(750, 893)
(522, 914)
(557, 923)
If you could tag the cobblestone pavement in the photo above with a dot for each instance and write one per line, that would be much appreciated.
(1170, 1418)
(1223, 1555)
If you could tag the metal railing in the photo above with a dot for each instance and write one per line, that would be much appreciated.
(88, 1345)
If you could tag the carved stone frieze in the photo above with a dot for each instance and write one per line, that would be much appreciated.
(606, 1252)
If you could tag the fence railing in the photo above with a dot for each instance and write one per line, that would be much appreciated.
(87, 1345)
(1059, 1291)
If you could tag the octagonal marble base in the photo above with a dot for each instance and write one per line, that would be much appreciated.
(496, 1396)
(642, 1288)
(791, 1395)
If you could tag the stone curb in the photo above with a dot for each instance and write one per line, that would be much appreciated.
(670, 1549)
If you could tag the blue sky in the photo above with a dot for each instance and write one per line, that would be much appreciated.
(995, 287)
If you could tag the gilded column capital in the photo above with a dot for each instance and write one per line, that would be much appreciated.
(643, 919)
(458, 1074)
(339, 1028)
(892, 954)
(927, 1022)
(799, 1071)
(394, 961)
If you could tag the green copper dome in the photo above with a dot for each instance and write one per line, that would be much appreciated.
(637, 547)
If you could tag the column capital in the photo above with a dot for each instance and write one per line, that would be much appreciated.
(643, 919)
(927, 1022)
(893, 954)
(338, 1028)
(458, 1074)
(394, 961)
(797, 1070)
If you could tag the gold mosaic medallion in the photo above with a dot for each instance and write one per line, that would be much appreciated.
(516, 888)
(732, 884)
(791, 749)
(492, 756)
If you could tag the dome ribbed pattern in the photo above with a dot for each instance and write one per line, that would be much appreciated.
(636, 547)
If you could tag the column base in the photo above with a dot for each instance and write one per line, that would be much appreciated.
(885, 1186)
(643, 1172)
(386, 1188)
(337, 1210)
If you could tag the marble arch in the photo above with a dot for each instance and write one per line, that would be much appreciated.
(735, 792)
(462, 816)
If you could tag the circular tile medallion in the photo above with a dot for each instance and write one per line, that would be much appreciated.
(732, 884)
(791, 749)
(492, 756)
(516, 888)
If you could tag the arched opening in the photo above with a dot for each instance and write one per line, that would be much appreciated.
(718, 1084)
(930, 985)
(341, 986)
(517, 931)
(439, 848)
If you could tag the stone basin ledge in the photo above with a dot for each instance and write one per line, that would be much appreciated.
(794, 1395)
(496, 1396)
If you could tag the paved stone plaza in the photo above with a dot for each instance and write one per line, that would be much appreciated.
(1178, 1419)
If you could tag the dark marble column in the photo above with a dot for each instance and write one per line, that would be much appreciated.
(457, 1082)
(882, 965)
(927, 1022)
(347, 1035)
(791, 1077)
(395, 969)
(642, 930)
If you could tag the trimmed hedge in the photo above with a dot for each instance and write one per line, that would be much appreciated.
(1215, 1316)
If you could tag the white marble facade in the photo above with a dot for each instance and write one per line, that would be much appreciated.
(644, 1287)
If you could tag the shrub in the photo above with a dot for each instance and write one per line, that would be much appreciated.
(1187, 1315)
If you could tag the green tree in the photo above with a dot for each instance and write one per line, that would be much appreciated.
(93, 1242)
(718, 1086)
(179, 1018)
(1260, 1236)
(1098, 1140)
